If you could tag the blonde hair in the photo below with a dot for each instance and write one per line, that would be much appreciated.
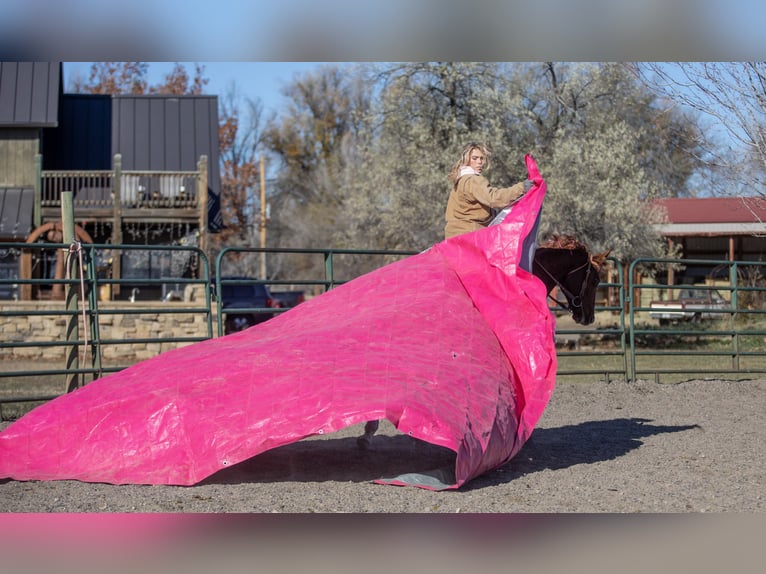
(465, 159)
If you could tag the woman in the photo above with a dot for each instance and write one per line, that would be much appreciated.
(472, 202)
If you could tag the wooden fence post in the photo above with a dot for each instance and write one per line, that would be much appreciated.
(202, 202)
(72, 292)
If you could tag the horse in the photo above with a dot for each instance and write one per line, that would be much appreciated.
(563, 262)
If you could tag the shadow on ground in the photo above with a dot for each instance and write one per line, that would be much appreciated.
(583, 443)
(339, 459)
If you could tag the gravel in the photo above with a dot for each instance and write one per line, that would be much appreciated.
(643, 447)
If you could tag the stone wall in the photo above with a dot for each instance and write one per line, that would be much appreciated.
(154, 322)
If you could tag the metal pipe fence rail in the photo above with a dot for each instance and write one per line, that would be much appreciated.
(724, 335)
(626, 343)
(599, 350)
(47, 347)
(322, 270)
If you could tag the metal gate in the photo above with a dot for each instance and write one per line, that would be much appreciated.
(628, 341)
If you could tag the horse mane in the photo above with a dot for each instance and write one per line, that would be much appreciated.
(563, 242)
(569, 242)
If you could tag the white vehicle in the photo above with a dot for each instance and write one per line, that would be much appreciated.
(693, 304)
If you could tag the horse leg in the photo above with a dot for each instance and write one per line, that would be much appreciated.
(364, 442)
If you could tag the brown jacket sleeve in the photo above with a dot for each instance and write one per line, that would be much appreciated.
(471, 202)
(493, 197)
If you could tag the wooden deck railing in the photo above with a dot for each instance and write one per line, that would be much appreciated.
(118, 196)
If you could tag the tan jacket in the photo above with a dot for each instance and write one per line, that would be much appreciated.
(471, 202)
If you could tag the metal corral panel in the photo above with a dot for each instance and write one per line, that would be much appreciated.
(29, 94)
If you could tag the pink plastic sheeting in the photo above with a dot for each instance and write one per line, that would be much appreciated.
(454, 346)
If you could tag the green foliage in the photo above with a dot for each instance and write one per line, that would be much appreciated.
(365, 151)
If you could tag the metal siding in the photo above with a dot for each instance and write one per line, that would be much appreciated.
(116, 126)
(215, 219)
(155, 134)
(142, 128)
(214, 179)
(166, 133)
(7, 92)
(29, 93)
(55, 90)
(127, 146)
(208, 133)
(16, 213)
(172, 133)
(22, 113)
(189, 145)
(169, 133)
(203, 126)
(99, 150)
(39, 91)
(83, 138)
(125, 131)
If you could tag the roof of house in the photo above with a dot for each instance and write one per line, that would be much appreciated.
(714, 215)
(29, 93)
(84, 131)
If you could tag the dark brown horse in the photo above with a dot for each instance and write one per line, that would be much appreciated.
(564, 262)
(561, 262)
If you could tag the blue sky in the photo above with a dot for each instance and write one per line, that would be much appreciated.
(262, 80)
(297, 30)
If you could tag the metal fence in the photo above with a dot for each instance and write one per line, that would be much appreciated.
(61, 332)
(314, 271)
(724, 334)
(598, 350)
(626, 343)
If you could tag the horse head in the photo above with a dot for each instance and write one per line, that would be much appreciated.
(565, 263)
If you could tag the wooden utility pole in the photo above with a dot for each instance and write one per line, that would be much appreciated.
(72, 331)
(263, 219)
(202, 200)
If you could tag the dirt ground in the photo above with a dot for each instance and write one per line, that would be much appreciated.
(692, 447)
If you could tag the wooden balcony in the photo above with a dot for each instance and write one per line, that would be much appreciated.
(122, 198)
(125, 196)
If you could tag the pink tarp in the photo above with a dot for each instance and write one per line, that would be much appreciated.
(454, 346)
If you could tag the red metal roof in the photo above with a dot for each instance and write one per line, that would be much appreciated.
(715, 209)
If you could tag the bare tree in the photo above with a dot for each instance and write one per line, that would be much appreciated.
(179, 82)
(114, 78)
(732, 96)
(310, 143)
(240, 137)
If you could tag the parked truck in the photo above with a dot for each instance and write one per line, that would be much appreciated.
(245, 302)
(288, 299)
(693, 303)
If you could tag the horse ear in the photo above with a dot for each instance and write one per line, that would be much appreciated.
(598, 260)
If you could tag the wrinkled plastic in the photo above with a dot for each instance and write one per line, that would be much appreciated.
(454, 346)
